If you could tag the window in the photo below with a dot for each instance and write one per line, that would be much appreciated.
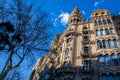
(58, 61)
(108, 59)
(111, 76)
(86, 50)
(99, 44)
(47, 77)
(115, 43)
(117, 77)
(104, 32)
(114, 59)
(104, 76)
(95, 23)
(119, 58)
(109, 43)
(104, 22)
(68, 40)
(109, 21)
(86, 65)
(78, 20)
(104, 44)
(100, 22)
(107, 31)
(67, 51)
(86, 38)
(111, 31)
(101, 32)
(66, 64)
(97, 34)
(102, 60)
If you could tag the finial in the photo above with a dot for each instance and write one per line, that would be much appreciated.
(76, 11)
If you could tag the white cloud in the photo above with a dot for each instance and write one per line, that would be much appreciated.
(83, 12)
(55, 22)
(64, 18)
(96, 4)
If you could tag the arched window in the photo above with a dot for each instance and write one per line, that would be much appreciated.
(101, 32)
(95, 23)
(114, 59)
(67, 51)
(118, 57)
(117, 77)
(100, 22)
(86, 50)
(108, 59)
(86, 65)
(104, 32)
(99, 44)
(109, 21)
(111, 76)
(107, 32)
(102, 60)
(104, 76)
(68, 40)
(115, 43)
(109, 43)
(86, 38)
(104, 44)
(78, 20)
(104, 22)
(112, 31)
(98, 33)
(66, 64)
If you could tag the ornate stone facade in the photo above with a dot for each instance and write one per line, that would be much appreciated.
(87, 50)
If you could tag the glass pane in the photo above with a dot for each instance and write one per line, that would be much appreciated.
(104, 44)
(86, 49)
(101, 32)
(108, 60)
(102, 60)
(117, 77)
(109, 44)
(104, 77)
(111, 77)
(115, 43)
(114, 59)
(111, 31)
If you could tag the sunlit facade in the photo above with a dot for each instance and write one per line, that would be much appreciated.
(87, 50)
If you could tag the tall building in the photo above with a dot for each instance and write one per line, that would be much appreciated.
(87, 50)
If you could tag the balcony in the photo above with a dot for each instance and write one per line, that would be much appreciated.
(69, 32)
(109, 68)
(87, 42)
(87, 31)
(66, 70)
(86, 54)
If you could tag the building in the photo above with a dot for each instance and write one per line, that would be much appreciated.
(87, 50)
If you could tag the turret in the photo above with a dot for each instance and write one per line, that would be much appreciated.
(75, 16)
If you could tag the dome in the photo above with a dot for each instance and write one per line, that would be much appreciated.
(100, 12)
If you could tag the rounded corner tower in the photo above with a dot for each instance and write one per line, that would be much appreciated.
(75, 17)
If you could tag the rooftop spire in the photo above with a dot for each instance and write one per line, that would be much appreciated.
(76, 11)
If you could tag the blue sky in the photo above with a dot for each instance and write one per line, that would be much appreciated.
(59, 10)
